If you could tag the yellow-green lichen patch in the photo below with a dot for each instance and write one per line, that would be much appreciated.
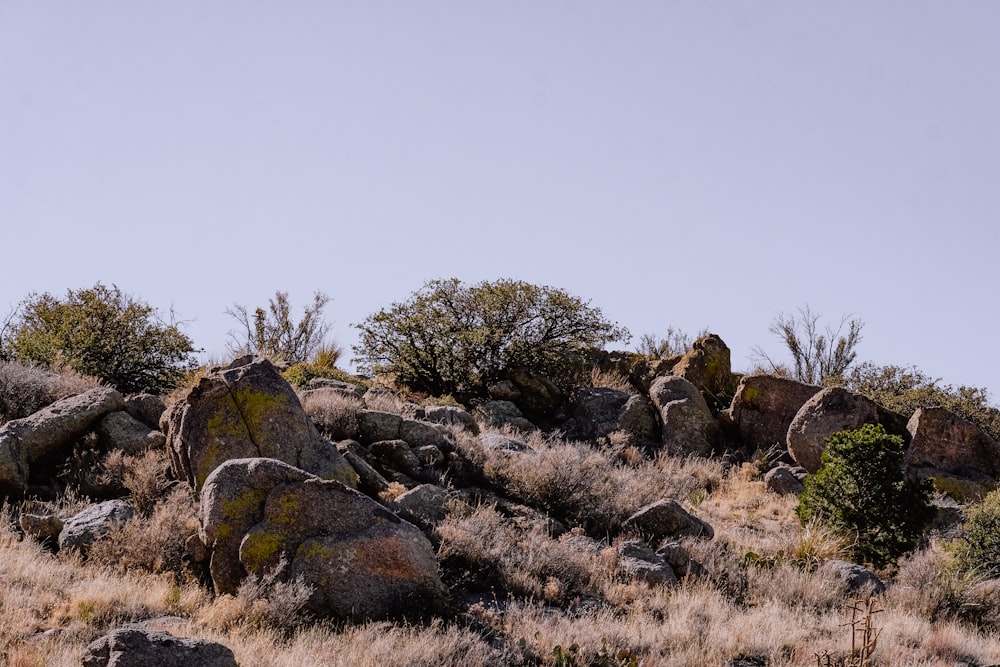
(750, 394)
(261, 549)
(249, 504)
(284, 509)
(346, 475)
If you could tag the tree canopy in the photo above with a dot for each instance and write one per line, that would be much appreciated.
(450, 338)
(103, 332)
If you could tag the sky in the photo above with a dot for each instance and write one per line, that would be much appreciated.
(688, 164)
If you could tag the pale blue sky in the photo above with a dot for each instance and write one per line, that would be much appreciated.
(695, 164)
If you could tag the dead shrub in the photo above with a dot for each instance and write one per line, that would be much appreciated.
(335, 414)
(24, 390)
(263, 602)
(145, 478)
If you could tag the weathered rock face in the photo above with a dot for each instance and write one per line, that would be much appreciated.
(83, 529)
(944, 442)
(688, 424)
(232, 502)
(147, 408)
(706, 365)
(423, 505)
(120, 430)
(637, 561)
(503, 413)
(781, 480)
(600, 411)
(247, 410)
(764, 407)
(666, 518)
(48, 432)
(856, 577)
(829, 411)
(134, 647)
(539, 397)
(451, 416)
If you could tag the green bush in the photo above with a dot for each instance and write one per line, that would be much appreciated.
(903, 389)
(449, 338)
(102, 332)
(979, 548)
(860, 489)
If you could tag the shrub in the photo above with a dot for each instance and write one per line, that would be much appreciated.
(979, 548)
(860, 488)
(903, 389)
(23, 390)
(449, 338)
(273, 333)
(816, 355)
(102, 332)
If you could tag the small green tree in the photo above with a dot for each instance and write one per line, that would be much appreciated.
(102, 332)
(272, 331)
(860, 489)
(816, 355)
(449, 338)
(979, 547)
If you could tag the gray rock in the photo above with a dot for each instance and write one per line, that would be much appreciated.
(763, 408)
(857, 577)
(120, 430)
(232, 502)
(48, 432)
(829, 411)
(706, 365)
(423, 505)
(503, 413)
(83, 529)
(503, 443)
(147, 408)
(370, 480)
(680, 561)
(638, 562)
(451, 416)
(688, 424)
(666, 518)
(781, 480)
(374, 426)
(361, 561)
(134, 647)
(398, 455)
(420, 433)
(247, 410)
(946, 443)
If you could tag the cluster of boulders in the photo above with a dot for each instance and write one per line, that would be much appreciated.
(346, 501)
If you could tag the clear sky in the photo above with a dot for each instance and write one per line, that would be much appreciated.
(694, 164)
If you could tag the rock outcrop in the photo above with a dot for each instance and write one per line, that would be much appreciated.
(763, 408)
(600, 411)
(943, 442)
(120, 430)
(247, 410)
(688, 426)
(136, 647)
(706, 365)
(48, 432)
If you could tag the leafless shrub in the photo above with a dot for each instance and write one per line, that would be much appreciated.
(265, 602)
(145, 478)
(334, 413)
(24, 389)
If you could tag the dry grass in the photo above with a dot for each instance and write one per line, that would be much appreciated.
(335, 414)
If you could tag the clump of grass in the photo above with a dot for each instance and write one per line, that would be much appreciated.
(334, 413)
(262, 602)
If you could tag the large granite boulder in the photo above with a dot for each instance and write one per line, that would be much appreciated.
(830, 411)
(247, 410)
(48, 432)
(706, 365)
(232, 502)
(943, 442)
(763, 408)
(138, 647)
(361, 560)
(600, 411)
(687, 422)
(666, 518)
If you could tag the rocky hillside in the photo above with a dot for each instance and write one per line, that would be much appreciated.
(647, 518)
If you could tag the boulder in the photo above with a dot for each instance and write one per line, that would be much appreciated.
(122, 431)
(420, 433)
(503, 413)
(137, 647)
(781, 480)
(232, 502)
(504, 390)
(43, 527)
(48, 432)
(374, 425)
(448, 415)
(764, 407)
(370, 480)
(680, 561)
(397, 455)
(147, 408)
(688, 426)
(361, 561)
(830, 411)
(247, 410)
(539, 397)
(600, 411)
(706, 365)
(83, 529)
(637, 561)
(857, 577)
(666, 518)
(943, 442)
(423, 505)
